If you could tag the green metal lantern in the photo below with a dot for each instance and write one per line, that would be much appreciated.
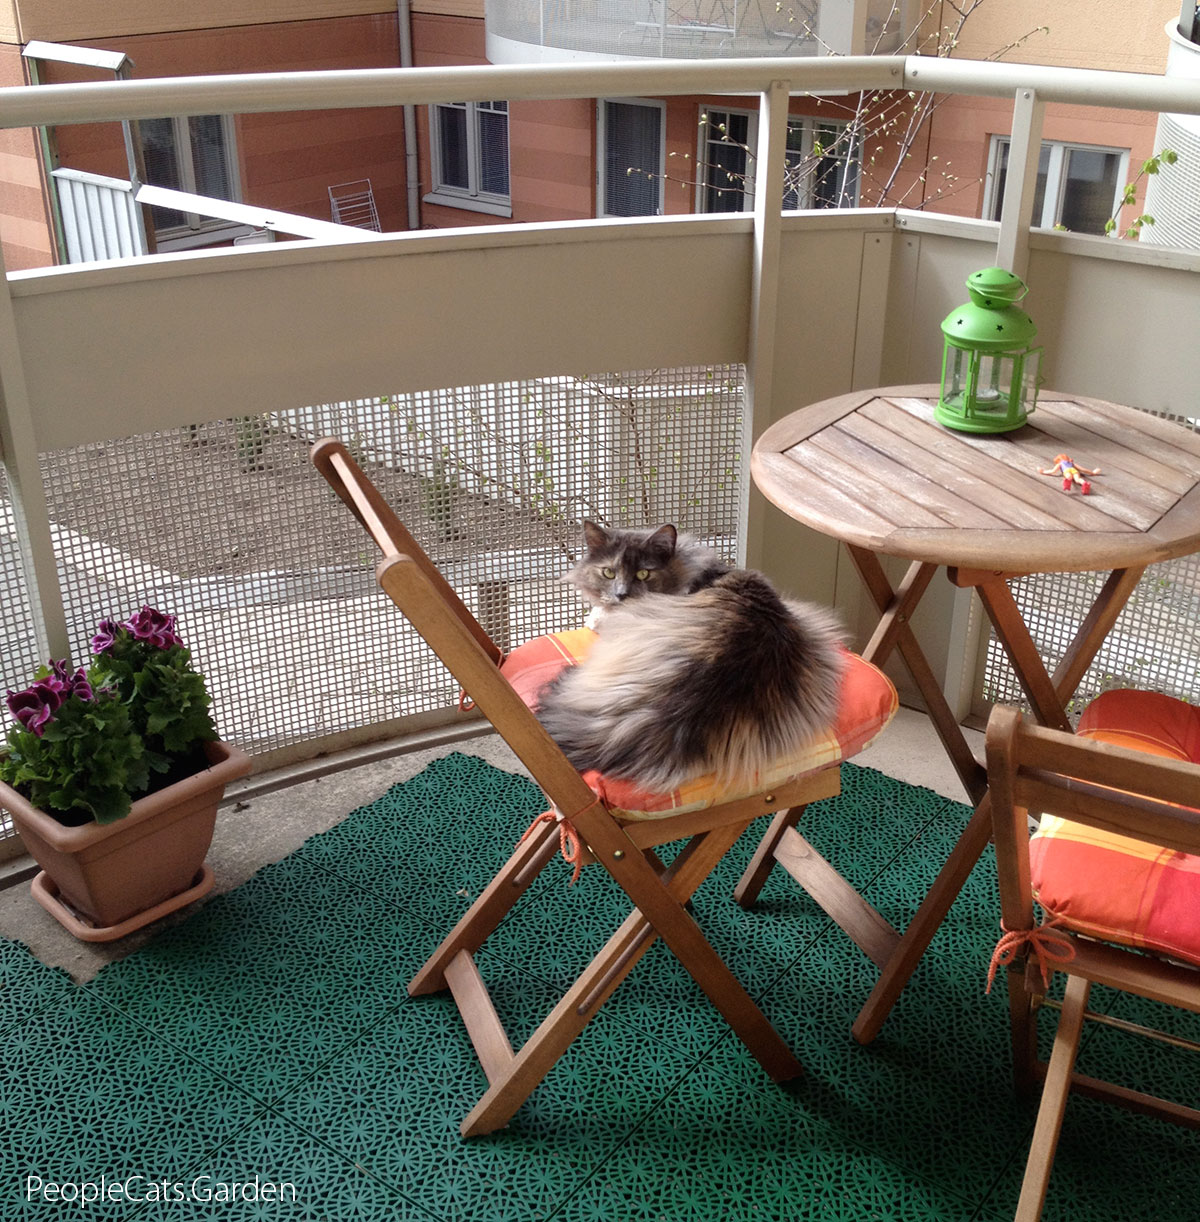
(990, 371)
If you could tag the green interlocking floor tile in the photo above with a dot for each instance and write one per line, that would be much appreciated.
(89, 1096)
(743, 1154)
(269, 1034)
(273, 1170)
(270, 980)
(557, 934)
(434, 842)
(394, 1101)
(940, 1066)
(27, 985)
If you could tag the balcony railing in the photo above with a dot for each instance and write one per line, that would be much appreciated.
(523, 31)
(155, 410)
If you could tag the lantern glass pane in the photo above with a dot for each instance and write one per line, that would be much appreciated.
(1029, 386)
(956, 376)
(995, 377)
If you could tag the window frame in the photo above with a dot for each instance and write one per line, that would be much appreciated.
(806, 124)
(472, 197)
(602, 148)
(1056, 177)
(705, 165)
(199, 230)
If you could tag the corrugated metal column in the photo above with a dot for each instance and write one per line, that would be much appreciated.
(19, 445)
(1016, 215)
(764, 290)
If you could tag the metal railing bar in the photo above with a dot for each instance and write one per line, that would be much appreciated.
(23, 106)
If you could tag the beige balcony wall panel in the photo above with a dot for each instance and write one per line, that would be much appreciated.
(9, 24)
(1111, 327)
(820, 279)
(74, 21)
(119, 350)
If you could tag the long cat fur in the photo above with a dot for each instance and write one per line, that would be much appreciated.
(698, 668)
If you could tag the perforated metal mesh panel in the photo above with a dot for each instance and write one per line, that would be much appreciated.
(1155, 643)
(228, 525)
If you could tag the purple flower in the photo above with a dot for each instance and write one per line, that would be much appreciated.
(154, 626)
(69, 682)
(106, 635)
(36, 705)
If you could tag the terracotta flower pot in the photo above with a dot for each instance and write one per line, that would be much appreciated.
(103, 881)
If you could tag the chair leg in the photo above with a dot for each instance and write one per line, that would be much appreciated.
(494, 903)
(1054, 1101)
(661, 902)
(518, 1076)
(1025, 993)
(761, 864)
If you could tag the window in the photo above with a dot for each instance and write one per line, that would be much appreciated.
(726, 161)
(469, 143)
(631, 168)
(196, 155)
(1079, 186)
(821, 163)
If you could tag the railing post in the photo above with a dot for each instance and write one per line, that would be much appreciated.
(18, 444)
(764, 288)
(1016, 214)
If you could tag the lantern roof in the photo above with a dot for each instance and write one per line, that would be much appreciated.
(991, 321)
(995, 286)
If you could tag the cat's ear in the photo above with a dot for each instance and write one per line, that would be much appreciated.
(662, 542)
(594, 536)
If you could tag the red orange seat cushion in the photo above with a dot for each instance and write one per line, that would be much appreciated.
(868, 703)
(1113, 887)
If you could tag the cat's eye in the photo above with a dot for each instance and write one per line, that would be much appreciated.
(608, 574)
(642, 574)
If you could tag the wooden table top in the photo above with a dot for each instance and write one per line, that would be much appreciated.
(874, 469)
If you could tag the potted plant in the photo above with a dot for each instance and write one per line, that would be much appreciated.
(113, 775)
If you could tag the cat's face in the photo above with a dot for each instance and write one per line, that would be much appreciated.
(621, 564)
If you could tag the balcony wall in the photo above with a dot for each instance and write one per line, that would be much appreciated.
(811, 304)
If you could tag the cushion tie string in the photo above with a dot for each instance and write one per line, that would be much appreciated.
(1048, 946)
(568, 838)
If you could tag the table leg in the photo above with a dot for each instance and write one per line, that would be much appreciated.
(1094, 629)
(1052, 695)
(916, 938)
(896, 608)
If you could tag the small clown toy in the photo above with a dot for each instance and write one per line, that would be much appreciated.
(1071, 472)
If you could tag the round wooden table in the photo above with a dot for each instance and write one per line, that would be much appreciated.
(875, 471)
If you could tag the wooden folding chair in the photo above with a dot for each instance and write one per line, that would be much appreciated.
(605, 822)
(1115, 864)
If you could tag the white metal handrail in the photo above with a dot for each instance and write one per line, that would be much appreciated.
(252, 93)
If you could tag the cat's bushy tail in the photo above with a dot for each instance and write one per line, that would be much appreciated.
(724, 681)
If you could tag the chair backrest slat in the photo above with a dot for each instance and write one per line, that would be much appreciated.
(391, 536)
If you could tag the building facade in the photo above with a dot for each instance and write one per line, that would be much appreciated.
(495, 162)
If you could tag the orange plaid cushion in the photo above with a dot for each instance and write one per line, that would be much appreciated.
(868, 703)
(1113, 887)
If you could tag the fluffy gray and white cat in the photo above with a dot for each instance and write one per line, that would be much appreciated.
(698, 667)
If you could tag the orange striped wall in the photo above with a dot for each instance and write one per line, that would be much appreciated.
(287, 161)
(24, 220)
